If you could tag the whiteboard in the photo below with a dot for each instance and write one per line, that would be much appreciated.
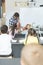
(31, 15)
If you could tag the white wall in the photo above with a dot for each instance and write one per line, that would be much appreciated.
(31, 15)
(38, 2)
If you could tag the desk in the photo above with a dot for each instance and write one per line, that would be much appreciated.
(18, 45)
(16, 49)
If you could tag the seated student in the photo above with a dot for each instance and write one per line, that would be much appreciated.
(31, 37)
(5, 42)
(32, 54)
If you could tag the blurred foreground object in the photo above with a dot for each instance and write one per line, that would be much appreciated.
(32, 55)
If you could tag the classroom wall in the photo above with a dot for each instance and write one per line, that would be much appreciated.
(33, 16)
(38, 2)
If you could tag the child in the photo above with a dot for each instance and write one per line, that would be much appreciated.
(31, 37)
(5, 42)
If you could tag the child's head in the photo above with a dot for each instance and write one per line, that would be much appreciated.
(28, 26)
(16, 15)
(31, 32)
(4, 29)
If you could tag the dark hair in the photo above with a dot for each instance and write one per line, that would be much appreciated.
(16, 14)
(31, 31)
(4, 29)
(13, 28)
